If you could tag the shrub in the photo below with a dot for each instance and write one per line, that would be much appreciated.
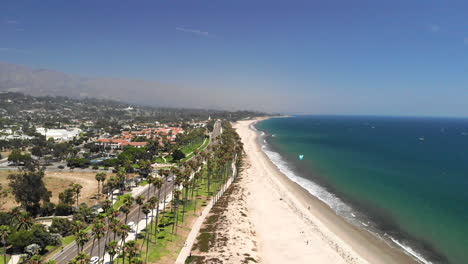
(61, 226)
(63, 210)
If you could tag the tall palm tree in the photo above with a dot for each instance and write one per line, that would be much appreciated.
(81, 238)
(4, 232)
(123, 233)
(131, 249)
(76, 187)
(100, 178)
(99, 229)
(125, 208)
(139, 200)
(112, 248)
(146, 210)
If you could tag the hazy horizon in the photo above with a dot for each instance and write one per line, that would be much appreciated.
(405, 58)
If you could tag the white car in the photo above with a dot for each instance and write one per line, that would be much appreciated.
(131, 225)
(94, 260)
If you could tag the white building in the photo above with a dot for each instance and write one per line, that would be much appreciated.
(59, 134)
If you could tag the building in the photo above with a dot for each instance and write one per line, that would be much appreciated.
(59, 134)
(118, 143)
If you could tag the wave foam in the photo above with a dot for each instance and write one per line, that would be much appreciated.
(328, 198)
(316, 190)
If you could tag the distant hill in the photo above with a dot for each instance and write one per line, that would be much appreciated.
(40, 82)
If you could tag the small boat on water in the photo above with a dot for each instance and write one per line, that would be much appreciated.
(421, 138)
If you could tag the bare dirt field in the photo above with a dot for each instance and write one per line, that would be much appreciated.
(56, 182)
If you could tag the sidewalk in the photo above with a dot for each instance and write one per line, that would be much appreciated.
(14, 259)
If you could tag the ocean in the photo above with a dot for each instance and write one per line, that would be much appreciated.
(404, 179)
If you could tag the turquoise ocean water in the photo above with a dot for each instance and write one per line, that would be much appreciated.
(404, 179)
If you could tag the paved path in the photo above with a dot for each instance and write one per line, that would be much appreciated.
(14, 259)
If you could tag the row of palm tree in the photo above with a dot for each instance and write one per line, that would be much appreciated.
(215, 163)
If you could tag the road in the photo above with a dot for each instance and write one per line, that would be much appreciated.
(70, 251)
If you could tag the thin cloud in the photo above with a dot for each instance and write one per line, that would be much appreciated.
(465, 40)
(12, 21)
(12, 50)
(193, 31)
(435, 28)
(20, 29)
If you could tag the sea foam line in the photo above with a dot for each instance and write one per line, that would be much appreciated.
(322, 194)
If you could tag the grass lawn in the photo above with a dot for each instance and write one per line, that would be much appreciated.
(52, 250)
(200, 147)
(120, 199)
(168, 246)
(1, 257)
(143, 183)
(7, 259)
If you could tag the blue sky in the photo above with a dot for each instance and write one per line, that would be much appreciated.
(334, 57)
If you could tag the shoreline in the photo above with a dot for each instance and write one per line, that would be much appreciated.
(329, 231)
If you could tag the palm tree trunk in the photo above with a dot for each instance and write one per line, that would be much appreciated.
(92, 247)
(138, 219)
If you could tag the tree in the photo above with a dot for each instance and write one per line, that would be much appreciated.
(20, 239)
(178, 155)
(100, 178)
(67, 196)
(76, 187)
(139, 200)
(29, 189)
(63, 210)
(81, 258)
(15, 156)
(131, 249)
(81, 238)
(112, 248)
(98, 230)
(4, 233)
(23, 221)
(61, 226)
(33, 249)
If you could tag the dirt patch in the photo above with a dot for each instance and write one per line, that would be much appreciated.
(56, 182)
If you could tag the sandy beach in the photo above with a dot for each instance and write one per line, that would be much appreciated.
(292, 226)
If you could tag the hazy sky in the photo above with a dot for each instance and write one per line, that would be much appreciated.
(337, 57)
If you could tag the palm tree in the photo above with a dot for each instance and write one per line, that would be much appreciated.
(81, 238)
(76, 187)
(113, 183)
(81, 258)
(146, 210)
(123, 233)
(24, 221)
(131, 249)
(153, 203)
(139, 200)
(125, 208)
(99, 229)
(100, 178)
(4, 232)
(112, 248)
(121, 176)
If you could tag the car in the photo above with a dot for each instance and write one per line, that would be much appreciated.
(131, 225)
(94, 260)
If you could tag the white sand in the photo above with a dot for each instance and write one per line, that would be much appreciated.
(292, 226)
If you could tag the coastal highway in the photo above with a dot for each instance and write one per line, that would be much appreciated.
(70, 251)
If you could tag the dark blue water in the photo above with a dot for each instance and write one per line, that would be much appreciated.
(407, 177)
